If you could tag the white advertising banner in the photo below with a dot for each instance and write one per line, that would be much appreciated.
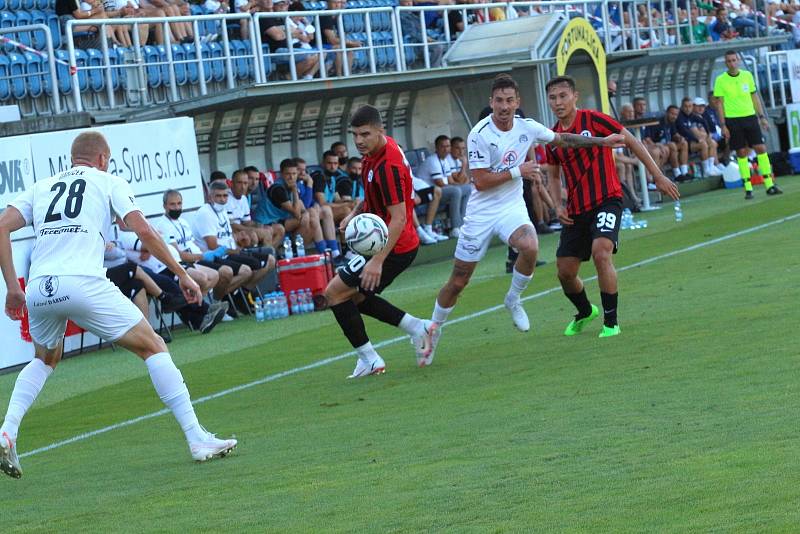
(152, 156)
(793, 57)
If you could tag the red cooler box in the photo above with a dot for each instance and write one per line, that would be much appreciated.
(312, 272)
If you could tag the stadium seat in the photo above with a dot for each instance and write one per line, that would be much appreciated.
(8, 20)
(24, 19)
(62, 72)
(97, 76)
(28, 4)
(5, 70)
(241, 65)
(118, 73)
(81, 60)
(191, 66)
(34, 68)
(19, 89)
(151, 58)
(2, 4)
(217, 63)
(13, 5)
(42, 4)
(39, 38)
(179, 58)
(55, 29)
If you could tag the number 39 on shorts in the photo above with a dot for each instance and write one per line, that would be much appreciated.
(606, 219)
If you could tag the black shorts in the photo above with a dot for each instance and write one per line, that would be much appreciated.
(603, 221)
(425, 195)
(235, 262)
(122, 276)
(745, 132)
(392, 267)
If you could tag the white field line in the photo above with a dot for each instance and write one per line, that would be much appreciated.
(392, 341)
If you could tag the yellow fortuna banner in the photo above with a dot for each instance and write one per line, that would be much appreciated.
(579, 35)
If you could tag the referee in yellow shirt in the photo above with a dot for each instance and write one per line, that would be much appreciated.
(737, 103)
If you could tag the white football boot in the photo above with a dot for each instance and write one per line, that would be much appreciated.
(211, 447)
(518, 314)
(376, 367)
(9, 463)
(433, 332)
(423, 343)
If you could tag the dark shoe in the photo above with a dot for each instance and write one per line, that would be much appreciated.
(748, 195)
(509, 267)
(213, 317)
(539, 263)
(171, 303)
(543, 229)
(774, 190)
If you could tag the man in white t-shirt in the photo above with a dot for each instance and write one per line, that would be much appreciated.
(70, 213)
(457, 158)
(436, 171)
(213, 232)
(176, 230)
(497, 147)
(238, 208)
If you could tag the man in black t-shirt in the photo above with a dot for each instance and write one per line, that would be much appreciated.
(273, 30)
(331, 39)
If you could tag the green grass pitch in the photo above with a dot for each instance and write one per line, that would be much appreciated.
(687, 422)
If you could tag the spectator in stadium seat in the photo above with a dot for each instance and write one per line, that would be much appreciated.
(698, 29)
(332, 40)
(177, 231)
(679, 157)
(75, 9)
(721, 28)
(455, 19)
(275, 34)
(435, 170)
(181, 32)
(340, 149)
(238, 209)
(412, 33)
(213, 233)
(325, 180)
(692, 128)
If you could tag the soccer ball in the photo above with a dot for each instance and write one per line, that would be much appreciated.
(366, 234)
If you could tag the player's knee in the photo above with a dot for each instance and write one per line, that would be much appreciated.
(245, 271)
(601, 255)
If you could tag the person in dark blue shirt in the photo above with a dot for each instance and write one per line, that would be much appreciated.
(679, 156)
(714, 127)
(692, 127)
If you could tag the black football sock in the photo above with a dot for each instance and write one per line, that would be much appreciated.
(382, 310)
(581, 303)
(351, 323)
(609, 308)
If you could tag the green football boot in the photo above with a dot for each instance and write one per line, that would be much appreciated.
(576, 325)
(609, 331)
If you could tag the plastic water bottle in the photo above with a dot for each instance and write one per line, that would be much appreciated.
(310, 300)
(287, 248)
(293, 302)
(270, 311)
(298, 244)
(284, 305)
(626, 219)
(678, 212)
(259, 310)
(301, 301)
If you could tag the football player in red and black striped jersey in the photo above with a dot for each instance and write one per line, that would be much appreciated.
(389, 194)
(592, 217)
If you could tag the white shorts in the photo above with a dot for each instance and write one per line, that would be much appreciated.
(478, 229)
(95, 304)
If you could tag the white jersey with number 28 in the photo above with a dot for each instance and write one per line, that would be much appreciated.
(70, 213)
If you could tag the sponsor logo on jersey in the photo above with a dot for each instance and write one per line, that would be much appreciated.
(475, 154)
(523, 138)
(510, 158)
(369, 176)
(586, 133)
(48, 286)
(69, 229)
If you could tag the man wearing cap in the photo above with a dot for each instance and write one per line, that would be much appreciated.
(738, 102)
(692, 128)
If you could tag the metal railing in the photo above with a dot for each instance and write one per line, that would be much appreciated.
(778, 77)
(137, 66)
(48, 54)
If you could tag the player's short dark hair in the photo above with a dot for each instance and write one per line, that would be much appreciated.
(352, 160)
(329, 154)
(366, 116)
(672, 106)
(218, 186)
(454, 140)
(298, 161)
(250, 168)
(237, 173)
(217, 175)
(558, 80)
(288, 162)
(731, 53)
(337, 143)
(441, 139)
(686, 99)
(504, 81)
(168, 193)
(639, 99)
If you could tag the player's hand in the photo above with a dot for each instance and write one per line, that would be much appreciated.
(561, 213)
(667, 186)
(528, 168)
(15, 303)
(764, 123)
(371, 274)
(614, 141)
(725, 132)
(345, 222)
(191, 291)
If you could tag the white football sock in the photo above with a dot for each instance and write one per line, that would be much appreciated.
(171, 389)
(412, 325)
(367, 353)
(684, 169)
(519, 282)
(440, 313)
(676, 172)
(29, 383)
(428, 228)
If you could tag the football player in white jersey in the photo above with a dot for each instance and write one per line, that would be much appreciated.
(70, 214)
(497, 147)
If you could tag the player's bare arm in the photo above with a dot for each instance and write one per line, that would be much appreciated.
(359, 208)
(554, 187)
(371, 275)
(664, 184)
(570, 140)
(485, 179)
(762, 118)
(153, 242)
(11, 220)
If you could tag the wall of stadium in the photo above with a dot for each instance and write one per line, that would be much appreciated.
(151, 156)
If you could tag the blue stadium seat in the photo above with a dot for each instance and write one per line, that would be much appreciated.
(267, 65)
(55, 29)
(205, 51)
(24, 19)
(241, 64)
(28, 4)
(8, 20)
(181, 72)
(191, 67)
(42, 4)
(62, 72)
(35, 68)
(118, 74)
(17, 64)
(2, 4)
(217, 63)
(5, 86)
(81, 60)
(151, 57)
(13, 5)
(39, 38)
(97, 76)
